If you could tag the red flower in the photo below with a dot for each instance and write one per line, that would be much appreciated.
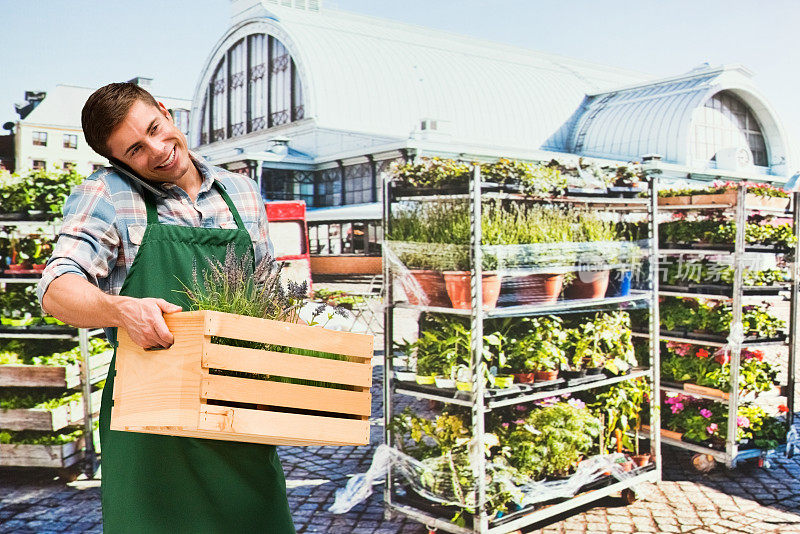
(783, 408)
(722, 357)
(702, 353)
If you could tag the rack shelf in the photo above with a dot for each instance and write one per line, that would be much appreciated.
(482, 400)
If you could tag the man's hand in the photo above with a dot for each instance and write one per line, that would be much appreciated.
(75, 301)
(143, 319)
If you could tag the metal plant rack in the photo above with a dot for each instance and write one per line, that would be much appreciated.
(735, 339)
(87, 378)
(480, 400)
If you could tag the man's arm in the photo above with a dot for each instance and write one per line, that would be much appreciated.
(86, 252)
(142, 318)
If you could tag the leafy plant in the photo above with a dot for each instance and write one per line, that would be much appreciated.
(604, 341)
(620, 407)
(551, 440)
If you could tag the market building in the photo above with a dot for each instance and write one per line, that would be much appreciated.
(316, 104)
(48, 134)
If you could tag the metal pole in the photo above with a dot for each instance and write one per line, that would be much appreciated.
(736, 337)
(655, 330)
(388, 337)
(794, 315)
(477, 454)
(86, 384)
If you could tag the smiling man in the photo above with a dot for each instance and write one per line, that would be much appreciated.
(131, 236)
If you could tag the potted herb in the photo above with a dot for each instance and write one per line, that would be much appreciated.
(599, 249)
(552, 440)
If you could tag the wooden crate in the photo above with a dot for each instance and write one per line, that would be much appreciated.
(172, 391)
(728, 198)
(54, 456)
(51, 376)
(51, 420)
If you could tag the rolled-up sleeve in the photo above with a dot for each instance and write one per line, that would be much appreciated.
(88, 243)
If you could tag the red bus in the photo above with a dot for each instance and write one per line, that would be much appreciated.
(289, 235)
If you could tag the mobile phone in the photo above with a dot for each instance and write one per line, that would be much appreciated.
(130, 174)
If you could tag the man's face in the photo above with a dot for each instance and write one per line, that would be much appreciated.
(149, 143)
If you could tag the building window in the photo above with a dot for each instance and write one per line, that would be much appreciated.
(329, 189)
(358, 183)
(303, 184)
(70, 141)
(39, 164)
(181, 119)
(68, 165)
(254, 87)
(276, 184)
(40, 138)
(356, 237)
(727, 123)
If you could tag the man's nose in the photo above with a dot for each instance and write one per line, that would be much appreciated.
(155, 147)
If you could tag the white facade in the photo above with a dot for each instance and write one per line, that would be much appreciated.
(365, 90)
(58, 118)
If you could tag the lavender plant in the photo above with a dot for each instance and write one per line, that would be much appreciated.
(226, 286)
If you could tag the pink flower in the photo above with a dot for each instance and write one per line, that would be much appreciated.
(705, 412)
(712, 428)
(504, 425)
(742, 421)
(520, 408)
(577, 403)
(677, 407)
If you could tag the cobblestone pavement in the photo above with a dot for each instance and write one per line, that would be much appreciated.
(745, 500)
(748, 499)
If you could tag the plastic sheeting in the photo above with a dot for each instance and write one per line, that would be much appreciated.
(442, 479)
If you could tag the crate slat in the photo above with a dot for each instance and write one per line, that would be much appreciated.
(288, 334)
(289, 365)
(228, 388)
(48, 420)
(285, 425)
(20, 455)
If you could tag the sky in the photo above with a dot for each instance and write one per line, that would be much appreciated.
(92, 42)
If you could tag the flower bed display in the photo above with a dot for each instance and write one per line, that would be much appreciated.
(715, 230)
(705, 421)
(535, 349)
(713, 319)
(758, 195)
(531, 255)
(710, 368)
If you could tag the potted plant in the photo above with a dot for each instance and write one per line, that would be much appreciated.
(405, 373)
(545, 360)
(552, 440)
(600, 248)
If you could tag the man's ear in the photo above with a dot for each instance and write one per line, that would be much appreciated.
(164, 111)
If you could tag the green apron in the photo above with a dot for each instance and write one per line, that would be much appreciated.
(153, 484)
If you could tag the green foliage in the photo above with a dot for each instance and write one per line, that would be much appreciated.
(552, 440)
(683, 362)
(760, 230)
(37, 190)
(604, 341)
(704, 271)
(620, 406)
(715, 318)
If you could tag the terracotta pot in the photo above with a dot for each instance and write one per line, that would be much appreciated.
(589, 285)
(16, 267)
(545, 376)
(524, 378)
(38, 267)
(626, 466)
(641, 460)
(458, 289)
(543, 288)
(433, 287)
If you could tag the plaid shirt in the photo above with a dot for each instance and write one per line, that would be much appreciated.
(105, 218)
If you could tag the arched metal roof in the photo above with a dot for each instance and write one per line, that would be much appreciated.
(657, 117)
(370, 75)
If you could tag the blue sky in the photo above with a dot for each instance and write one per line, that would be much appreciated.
(90, 43)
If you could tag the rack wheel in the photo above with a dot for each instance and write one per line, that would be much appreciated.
(703, 463)
(69, 474)
(628, 496)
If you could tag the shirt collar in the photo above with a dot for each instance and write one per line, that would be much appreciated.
(207, 172)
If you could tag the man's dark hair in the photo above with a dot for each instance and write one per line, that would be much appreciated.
(106, 109)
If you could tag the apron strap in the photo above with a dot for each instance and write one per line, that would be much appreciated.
(152, 211)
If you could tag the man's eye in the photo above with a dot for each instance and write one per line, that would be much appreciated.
(134, 151)
(154, 129)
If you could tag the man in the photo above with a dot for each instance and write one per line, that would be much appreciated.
(130, 237)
